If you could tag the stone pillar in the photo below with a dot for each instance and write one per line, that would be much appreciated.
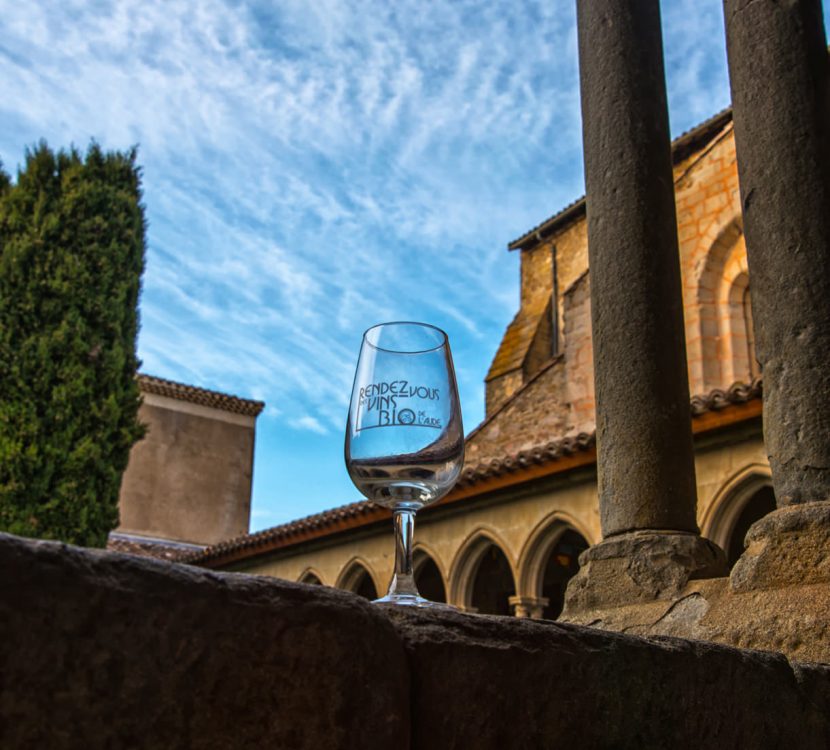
(778, 67)
(647, 489)
(780, 79)
(530, 607)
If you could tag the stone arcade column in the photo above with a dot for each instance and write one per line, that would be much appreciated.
(532, 607)
(780, 79)
(651, 546)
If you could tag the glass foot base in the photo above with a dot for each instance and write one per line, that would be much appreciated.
(411, 600)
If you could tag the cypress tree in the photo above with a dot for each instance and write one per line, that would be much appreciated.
(72, 237)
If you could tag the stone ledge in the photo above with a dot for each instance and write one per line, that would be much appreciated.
(498, 682)
(106, 650)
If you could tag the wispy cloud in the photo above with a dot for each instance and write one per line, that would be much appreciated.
(307, 422)
(314, 168)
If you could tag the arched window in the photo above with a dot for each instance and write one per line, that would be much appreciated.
(562, 565)
(428, 578)
(492, 583)
(723, 351)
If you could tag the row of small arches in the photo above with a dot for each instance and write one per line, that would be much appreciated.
(483, 579)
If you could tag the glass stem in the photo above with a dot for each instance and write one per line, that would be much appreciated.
(403, 580)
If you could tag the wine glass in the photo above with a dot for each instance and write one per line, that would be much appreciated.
(404, 437)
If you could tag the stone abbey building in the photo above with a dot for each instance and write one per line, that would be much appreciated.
(508, 537)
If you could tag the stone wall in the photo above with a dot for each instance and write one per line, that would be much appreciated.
(189, 478)
(532, 418)
(107, 650)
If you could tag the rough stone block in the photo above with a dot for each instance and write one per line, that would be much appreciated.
(490, 682)
(790, 546)
(100, 650)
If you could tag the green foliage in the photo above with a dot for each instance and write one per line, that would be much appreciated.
(71, 260)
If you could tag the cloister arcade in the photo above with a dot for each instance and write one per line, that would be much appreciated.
(485, 577)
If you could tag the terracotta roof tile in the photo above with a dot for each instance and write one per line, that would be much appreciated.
(202, 396)
(331, 521)
(263, 538)
(737, 393)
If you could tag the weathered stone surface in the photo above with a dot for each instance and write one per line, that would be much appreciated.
(780, 76)
(640, 566)
(788, 547)
(644, 437)
(104, 650)
(487, 682)
(791, 620)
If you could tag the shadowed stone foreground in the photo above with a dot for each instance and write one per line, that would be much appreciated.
(106, 650)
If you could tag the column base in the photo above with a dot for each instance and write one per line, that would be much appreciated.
(790, 546)
(640, 566)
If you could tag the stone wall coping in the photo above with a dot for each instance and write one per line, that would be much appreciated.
(102, 649)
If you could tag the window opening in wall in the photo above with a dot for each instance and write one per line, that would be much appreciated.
(562, 565)
(428, 580)
(493, 583)
(311, 579)
(761, 503)
(365, 587)
(754, 367)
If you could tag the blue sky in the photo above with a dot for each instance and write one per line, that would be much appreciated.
(314, 167)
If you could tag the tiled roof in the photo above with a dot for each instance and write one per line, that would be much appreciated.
(363, 513)
(265, 539)
(682, 147)
(202, 396)
(737, 393)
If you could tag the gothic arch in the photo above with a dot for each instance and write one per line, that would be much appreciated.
(311, 576)
(466, 563)
(351, 573)
(429, 573)
(537, 548)
(722, 514)
(422, 552)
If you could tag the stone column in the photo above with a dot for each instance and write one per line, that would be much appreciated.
(530, 607)
(780, 79)
(647, 489)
